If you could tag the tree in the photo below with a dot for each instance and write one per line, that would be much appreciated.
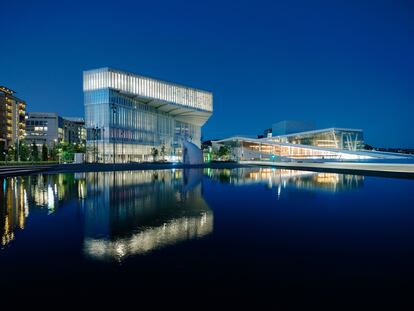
(54, 153)
(16, 153)
(224, 152)
(368, 147)
(66, 151)
(24, 151)
(163, 153)
(35, 152)
(154, 153)
(2, 151)
(44, 152)
(10, 153)
(79, 148)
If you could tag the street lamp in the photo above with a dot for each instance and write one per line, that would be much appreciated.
(103, 144)
(96, 144)
(122, 142)
(113, 108)
(93, 145)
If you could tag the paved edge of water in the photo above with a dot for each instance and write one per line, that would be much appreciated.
(342, 168)
(99, 167)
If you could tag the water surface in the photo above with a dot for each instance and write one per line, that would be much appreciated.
(227, 232)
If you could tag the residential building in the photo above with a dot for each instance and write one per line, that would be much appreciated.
(12, 118)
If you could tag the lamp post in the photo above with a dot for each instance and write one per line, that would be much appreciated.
(103, 144)
(113, 108)
(93, 146)
(122, 142)
(18, 145)
(96, 144)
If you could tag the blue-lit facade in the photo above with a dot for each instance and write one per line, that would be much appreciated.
(127, 115)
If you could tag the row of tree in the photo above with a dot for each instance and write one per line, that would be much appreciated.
(155, 153)
(31, 152)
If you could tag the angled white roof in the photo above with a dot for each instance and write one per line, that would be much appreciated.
(320, 131)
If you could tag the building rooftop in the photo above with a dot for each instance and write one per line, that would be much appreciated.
(74, 119)
(6, 90)
(320, 131)
(182, 102)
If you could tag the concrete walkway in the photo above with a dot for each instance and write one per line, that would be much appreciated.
(380, 169)
(17, 170)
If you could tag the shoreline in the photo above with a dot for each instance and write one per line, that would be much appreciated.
(393, 170)
(398, 170)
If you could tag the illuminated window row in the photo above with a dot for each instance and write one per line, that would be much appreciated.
(147, 87)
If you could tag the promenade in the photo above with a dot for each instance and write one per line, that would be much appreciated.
(17, 170)
(400, 170)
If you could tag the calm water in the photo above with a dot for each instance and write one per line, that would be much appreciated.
(205, 232)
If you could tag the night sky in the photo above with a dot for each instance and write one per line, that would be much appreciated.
(336, 63)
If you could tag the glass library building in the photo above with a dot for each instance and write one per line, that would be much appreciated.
(127, 115)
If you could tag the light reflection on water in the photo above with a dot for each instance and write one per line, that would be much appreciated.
(281, 178)
(129, 213)
(135, 212)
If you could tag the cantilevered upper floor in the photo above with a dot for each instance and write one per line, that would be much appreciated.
(170, 98)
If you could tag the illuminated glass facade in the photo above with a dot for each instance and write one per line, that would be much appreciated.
(270, 149)
(133, 114)
(336, 138)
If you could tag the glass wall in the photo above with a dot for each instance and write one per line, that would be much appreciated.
(256, 150)
(330, 138)
(132, 128)
(105, 78)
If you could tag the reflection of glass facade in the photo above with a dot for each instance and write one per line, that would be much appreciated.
(283, 178)
(133, 114)
(128, 213)
(123, 213)
(13, 210)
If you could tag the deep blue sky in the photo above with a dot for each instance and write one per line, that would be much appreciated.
(337, 63)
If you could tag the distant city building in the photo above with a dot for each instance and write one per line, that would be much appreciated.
(50, 129)
(127, 115)
(74, 131)
(44, 128)
(289, 126)
(12, 118)
(266, 133)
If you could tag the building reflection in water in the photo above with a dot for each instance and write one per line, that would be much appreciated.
(14, 208)
(282, 178)
(129, 213)
(43, 192)
(125, 213)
